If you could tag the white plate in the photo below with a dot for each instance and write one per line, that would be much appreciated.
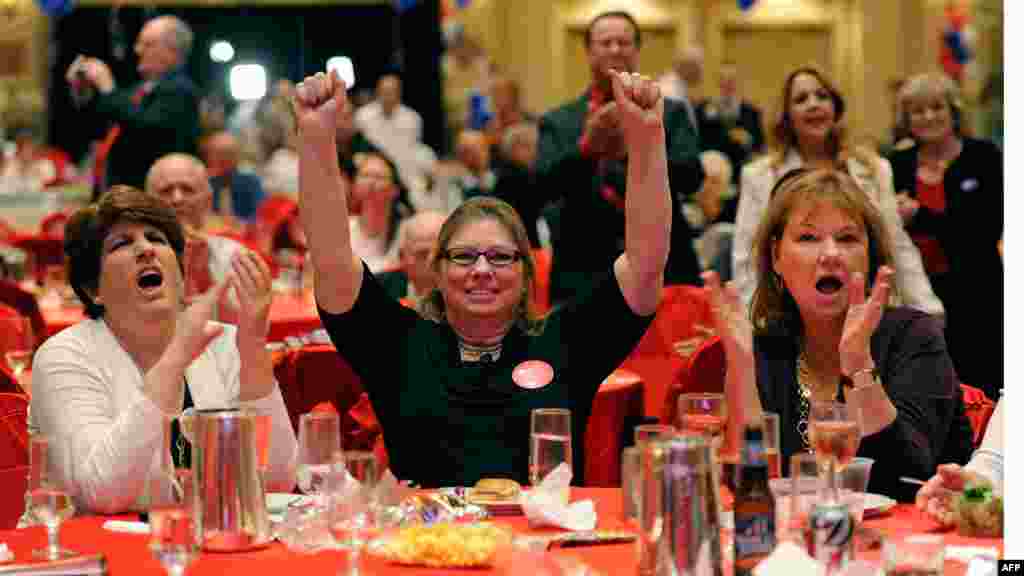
(876, 504)
(278, 502)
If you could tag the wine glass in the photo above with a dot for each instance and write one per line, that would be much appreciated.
(706, 414)
(20, 344)
(550, 444)
(834, 430)
(352, 513)
(319, 439)
(172, 528)
(49, 496)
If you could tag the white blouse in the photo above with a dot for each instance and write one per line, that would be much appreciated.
(756, 182)
(87, 393)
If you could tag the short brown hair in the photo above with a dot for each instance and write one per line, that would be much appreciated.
(88, 228)
(475, 210)
(612, 14)
(773, 309)
(785, 135)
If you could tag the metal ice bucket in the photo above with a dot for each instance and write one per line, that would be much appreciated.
(229, 496)
(680, 529)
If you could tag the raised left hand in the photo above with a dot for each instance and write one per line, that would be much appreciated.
(862, 318)
(251, 279)
(640, 104)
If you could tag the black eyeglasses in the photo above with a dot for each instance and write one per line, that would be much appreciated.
(497, 257)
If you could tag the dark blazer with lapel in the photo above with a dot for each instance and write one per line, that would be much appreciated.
(592, 228)
(714, 132)
(165, 120)
(246, 192)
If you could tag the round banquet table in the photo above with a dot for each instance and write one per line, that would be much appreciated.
(289, 316)
(128, 554)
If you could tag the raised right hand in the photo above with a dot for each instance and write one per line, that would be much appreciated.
(318, 100)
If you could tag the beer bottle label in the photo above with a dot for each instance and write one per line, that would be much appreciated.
(754, 534)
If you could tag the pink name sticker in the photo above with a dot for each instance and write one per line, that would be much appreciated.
(533, 374)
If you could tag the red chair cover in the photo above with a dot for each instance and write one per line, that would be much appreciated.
(541, 289)
(12, 497)
(13, 430)
(26, 304)
(704, 372)
(43, 250)
(316, 378)
(619, 398)
(53, 224)
(979, 409)
(682, 309)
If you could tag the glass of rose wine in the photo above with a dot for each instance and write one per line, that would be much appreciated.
(172, 529)
(50, 480)
(834, 430)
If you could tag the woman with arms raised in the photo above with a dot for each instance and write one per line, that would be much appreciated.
(105, 382)
(820, 330)
(443, 387)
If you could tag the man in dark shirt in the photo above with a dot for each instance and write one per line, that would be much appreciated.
(158, 116)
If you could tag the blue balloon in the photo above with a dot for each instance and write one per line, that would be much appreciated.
(746, 4)
(955, 42)
(56, 8)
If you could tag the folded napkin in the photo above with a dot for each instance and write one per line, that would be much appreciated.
(966, 553)
(790, 560)
(545, 504)
(5, 553)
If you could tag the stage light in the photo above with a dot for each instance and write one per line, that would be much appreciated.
(248, 81)
(222, 51)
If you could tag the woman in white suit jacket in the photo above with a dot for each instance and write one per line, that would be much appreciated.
(103, 385)
(808, 134)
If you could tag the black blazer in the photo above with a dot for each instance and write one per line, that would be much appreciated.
(165, 120)
(592, 229)
(714, 132)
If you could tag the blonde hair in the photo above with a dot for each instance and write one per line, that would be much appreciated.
(773, 308)
(924, 85)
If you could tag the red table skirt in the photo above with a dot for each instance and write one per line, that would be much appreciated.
(127, 553)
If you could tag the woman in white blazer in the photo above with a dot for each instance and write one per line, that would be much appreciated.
(102, 386)
(809, 134)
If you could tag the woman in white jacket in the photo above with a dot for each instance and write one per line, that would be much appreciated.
(809, 134)
(102, 386)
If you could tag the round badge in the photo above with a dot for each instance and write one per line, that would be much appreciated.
(533, 374)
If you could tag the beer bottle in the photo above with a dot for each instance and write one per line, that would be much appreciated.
(754, 508)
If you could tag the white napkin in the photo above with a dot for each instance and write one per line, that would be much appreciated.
(965, 553)
(790, 560)
(5, 553)
(126, 526)
(544, 504)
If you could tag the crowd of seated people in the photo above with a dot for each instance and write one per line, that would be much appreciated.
(834, 273)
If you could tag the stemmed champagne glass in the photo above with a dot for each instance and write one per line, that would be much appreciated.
(834, 431)
(50, 482)
(319, 439)
(172, 530)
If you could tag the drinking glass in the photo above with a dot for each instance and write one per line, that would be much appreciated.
(20, 342)
(704, 413)
(319, 439)
(834, 430)
(172, 529)
(803, 492)
(49, 496)
(353, 512)
(550, 443)
(650, 432)
(770, 439)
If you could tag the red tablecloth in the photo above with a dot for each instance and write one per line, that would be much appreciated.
(289, 316)
(128, 554)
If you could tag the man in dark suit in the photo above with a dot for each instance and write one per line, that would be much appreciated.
(158, 116)
(581, 160)
(730, 124)
(236, 194)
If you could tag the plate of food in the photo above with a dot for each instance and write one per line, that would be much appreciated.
(443, 545)
(499, 496)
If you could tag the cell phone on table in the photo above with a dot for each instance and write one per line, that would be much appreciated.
(345, 68)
